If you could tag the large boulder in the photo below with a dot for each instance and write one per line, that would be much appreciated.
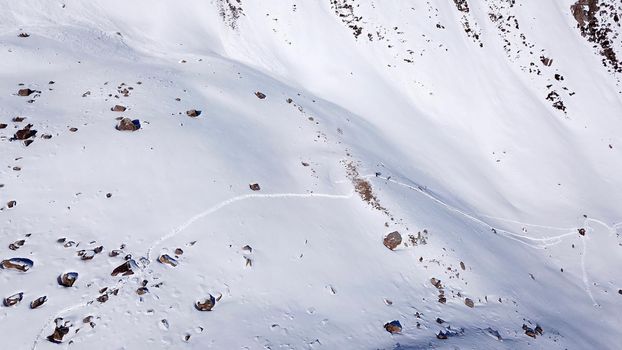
(392, 240)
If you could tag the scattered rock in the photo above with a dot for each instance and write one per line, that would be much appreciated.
(108, 195)
(125, 269)
(103, 298)
(18, 119)
(38, 302)
(462, 266)
(392, 240)
(127, 124)
(3, 126)
(23, 35)
(25, 92)
(61, 330)
(206, 305)
(19, 264)
(168, 260)
(254, 187)
(436, 283)
(73, 129)
(441, 335)
(179, 251)
(581, 231)
(142, 291)
(13, 299)
(193, 113)
(393, 327)
(17, 244)
(468, 302)
(118, 108)
(25, 133)
(260, 95)
(11, 204)
(67, 279)
(247, 249)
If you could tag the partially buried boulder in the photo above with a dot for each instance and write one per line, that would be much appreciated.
(25, 92)
(127, 124)
(68, 279)
(393, 327)
(206, 304)
(38, 302)
(19, 264)
(193, 113)
(13, 299)
(118, 108)
(392, 240)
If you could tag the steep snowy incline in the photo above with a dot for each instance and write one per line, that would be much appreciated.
(486, 134)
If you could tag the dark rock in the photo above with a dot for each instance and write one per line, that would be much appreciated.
(23, 35)
(67, 279)
(441, 335)
(25, 92)
(206, 305)
(103, 298)
(108, 195)
(125, 269)
(193, 113)
(127, 124)
(254, 187)
(11, 204)
(462, 266)
(581, 231)
(61, 330)
(17, 244)
(260, 95)
(73, 129)
(18, 119)
(25, 133)
(436, 283)
(13, 299)
(38, 302)
(179, 251)
(392, 240)
(19, 264)
(142, 291)
(468, 302)
(168, 260)
(118, 108)
(393, 327)
(3, 126)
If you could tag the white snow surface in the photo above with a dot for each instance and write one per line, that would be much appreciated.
(456, 139)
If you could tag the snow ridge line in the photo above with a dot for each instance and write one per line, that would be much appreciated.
(181, 228)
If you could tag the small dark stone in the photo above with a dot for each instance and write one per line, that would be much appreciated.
(260, 95)
(254, 187)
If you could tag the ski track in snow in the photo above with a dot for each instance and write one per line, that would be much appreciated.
(180, 229)
(545, 242)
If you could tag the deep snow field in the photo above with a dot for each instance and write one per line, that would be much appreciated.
(487, 133)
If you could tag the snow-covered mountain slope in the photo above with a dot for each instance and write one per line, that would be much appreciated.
(487, 134)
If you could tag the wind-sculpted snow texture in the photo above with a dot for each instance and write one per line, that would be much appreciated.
(333, 174)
